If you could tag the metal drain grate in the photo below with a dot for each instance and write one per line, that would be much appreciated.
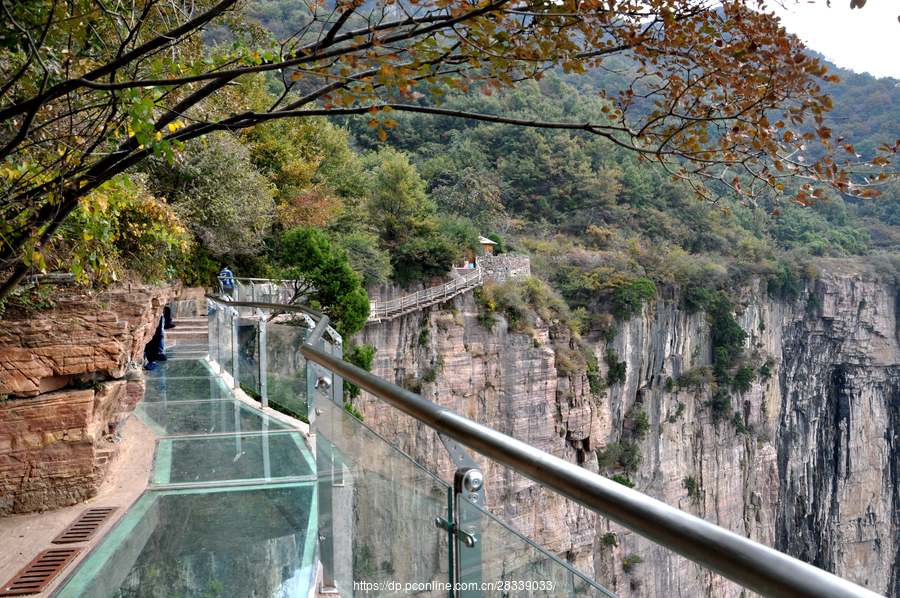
(37, 574)
(83, 528)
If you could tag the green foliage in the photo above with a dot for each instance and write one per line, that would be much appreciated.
(29, 299)
(694, 379)
(525, 302)
(422, 257)
(726, 336)
(365, 255)
(692, 486)
(630, 562)
(743, 379)
(720, 405)
(361, 356)
(219, 195)
(622, 479)
(739, 426)
(595, 381)
(629, 297)
(398, 206)
(616, 372)
(500, 246)
(784, 283)
(765, 370)
(696, 298)
(609, 539)
(641, 425)
(624, 454)
(350, 408)
(306, 254)
(120, 227)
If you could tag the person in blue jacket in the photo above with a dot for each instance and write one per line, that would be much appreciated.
(226, 281)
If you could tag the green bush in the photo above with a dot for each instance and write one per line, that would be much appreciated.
(352, 410)
(422, 257)
(630, 562)
(720, 404)
(595, 381)
(306, 254)
(743, 379)
(696, 298)
(622, 479)
(610, 539)
(694, 379)
(726, 335)
(641, 425)
(616, 372)
(739, 426)
(679, 411)
(361, 356)
(784, 283)
(765, 370)
(625, 454)
(629, 297)
(692, 486)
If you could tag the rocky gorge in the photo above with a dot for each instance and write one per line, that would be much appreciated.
(807, 459)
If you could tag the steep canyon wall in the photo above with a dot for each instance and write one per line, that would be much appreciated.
(811, 467)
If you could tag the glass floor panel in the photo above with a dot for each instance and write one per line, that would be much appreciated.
(243, 541)
(206, 417)
(187, 368)
(232, 458)
(185, 389)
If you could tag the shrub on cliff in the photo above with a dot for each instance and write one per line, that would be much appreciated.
(361, 356)
(629, 298)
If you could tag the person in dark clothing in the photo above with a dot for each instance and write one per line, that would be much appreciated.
(167, 318)
(153, 352)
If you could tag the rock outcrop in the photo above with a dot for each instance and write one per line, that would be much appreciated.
(63, 392)
(82, 334)
(811, 466)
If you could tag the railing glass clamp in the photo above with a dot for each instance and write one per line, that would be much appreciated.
(465, 537)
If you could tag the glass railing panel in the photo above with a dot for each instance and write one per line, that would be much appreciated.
(212, 324)
(238, 457)
(225, 337)
(286, 379)
(512, 565)
(377, 512)
(248, 354)
(240, 541)
(185, 389)
(205, 417)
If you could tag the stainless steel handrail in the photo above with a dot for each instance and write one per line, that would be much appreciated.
(750, 564)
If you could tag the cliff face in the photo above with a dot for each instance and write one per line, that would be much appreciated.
(812, 467)
(63, 369)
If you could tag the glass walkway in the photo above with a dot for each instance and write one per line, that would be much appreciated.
(231, 507)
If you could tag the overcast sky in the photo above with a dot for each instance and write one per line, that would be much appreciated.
(862, 40)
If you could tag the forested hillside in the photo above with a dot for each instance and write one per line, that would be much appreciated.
(405, 199)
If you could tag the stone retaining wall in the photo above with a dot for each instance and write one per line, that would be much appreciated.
(504, 267)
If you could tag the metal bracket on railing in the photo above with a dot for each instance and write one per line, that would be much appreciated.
(468, 486)
(463, 536)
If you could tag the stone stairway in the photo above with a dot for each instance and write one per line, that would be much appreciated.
(189, 339)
